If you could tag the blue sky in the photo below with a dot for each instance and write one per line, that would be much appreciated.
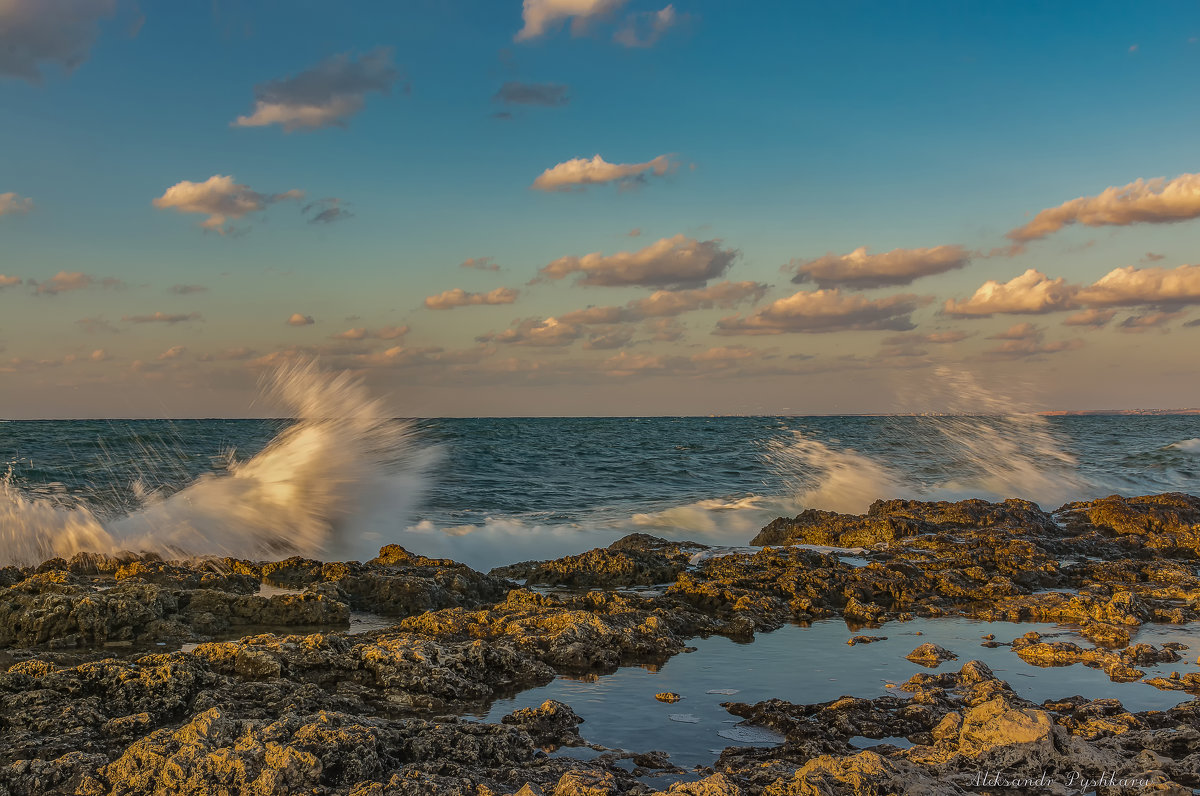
(792, 131)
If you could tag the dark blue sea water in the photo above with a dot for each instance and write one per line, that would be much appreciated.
(491, 491)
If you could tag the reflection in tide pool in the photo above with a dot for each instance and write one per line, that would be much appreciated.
(815, 664)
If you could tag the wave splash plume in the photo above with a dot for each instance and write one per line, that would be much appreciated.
(335, 484)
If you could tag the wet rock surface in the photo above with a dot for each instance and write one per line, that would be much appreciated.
(273, 696)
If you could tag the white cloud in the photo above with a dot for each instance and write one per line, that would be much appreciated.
(457, 297)
(174, 352)
(390, 332)
(826, 311)
(66, 281)
(12, 204)
(540, 16)
(326, 95)
(1030, 293)
(579, 173)
(480, 264)
(9, 281)
(646, 28)
(550, 332)
(860, 270)
(669, 303)
(678, 262)
(1094, 318)
(298, 319)
(1130, 286)
(1156, 201)
(219, 198)
(34, 33)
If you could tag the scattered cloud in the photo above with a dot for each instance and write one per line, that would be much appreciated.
(1156, 201)
(9, 281)
(174, 352)
(96, 325)
(1130, 286)
(1151, 257)
(66, 281)
(480, 264)
(457, 297)
(10, 203)
(1026, 340)
(826, 311)
(936, 338)
(914, 344)
(99, 355)
(542, 16)
(1093, 318)
(669, 303)
(550, 332)
(325, 96)
(34, 33)
(608, 340)
(163, 317)
(578, 173)
(362, 333)
(185, 290)
(299, 319)
(636, 232)
(1022, 331)
(1157, 319)
(1030, 293)
(860, 270)
(219, 198)
(678, 262)
(326, 211)
(665, 330)
(644, 29)
(546, 94)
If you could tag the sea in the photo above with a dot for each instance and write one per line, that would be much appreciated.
(338, 477)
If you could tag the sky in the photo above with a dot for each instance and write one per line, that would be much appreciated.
(599, 207)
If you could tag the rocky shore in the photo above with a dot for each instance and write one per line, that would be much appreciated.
(134, 675)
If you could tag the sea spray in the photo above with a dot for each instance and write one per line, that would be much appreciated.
(337, 483)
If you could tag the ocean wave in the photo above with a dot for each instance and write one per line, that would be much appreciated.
(337, 483)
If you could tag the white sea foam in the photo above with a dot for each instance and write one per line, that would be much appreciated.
(1187, 445)
(338, 483)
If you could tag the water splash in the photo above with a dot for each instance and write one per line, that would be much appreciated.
(337, 483)
(987, 446)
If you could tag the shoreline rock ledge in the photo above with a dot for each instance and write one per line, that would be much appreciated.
(137, 675)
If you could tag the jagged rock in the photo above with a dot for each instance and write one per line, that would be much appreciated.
(931, 655)
(552, 723)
